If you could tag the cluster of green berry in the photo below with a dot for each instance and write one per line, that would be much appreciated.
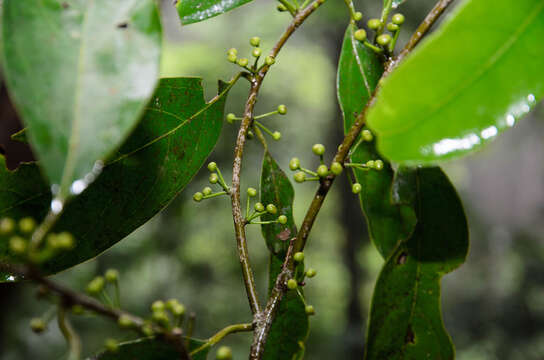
(293, 284)
(322, 170)
(276, 135)
(383, 40)
(255, 42)
(215, 178)
(100, 287)
(20, 245)
(259, 210)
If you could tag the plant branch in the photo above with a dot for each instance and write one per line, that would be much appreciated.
(231, 329)
(72, 338)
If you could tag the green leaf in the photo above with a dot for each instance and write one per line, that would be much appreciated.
(170, 144)
(80, 73)
(405, 318)
(151, 349)
(468, 82)
(192, 11)
(291, 324)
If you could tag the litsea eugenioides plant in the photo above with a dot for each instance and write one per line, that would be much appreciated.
(84, 76)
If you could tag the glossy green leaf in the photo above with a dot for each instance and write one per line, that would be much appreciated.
(469, 81)
(151, 349)
(80, 73)
(405, 318)
(192, 11)
(171, 143)
(291, 325)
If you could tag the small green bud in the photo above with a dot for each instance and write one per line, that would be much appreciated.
(158, 306)
(373, 24)
(309, 310)
(281, 8)
(282, 219)
(311, 272)
(17, 245)
(230, 118)
(392, 27)
(271, 209)
(318, 149)
(398, 19)
(322, 170)
(111, 345)
(64, 241)
(224, 353)
(37, 325)
(292, 284)
(232, 51)
(251, 192)
(160, 317)
(214, 179)
(282, 109)
(299, 256)
(300, 177)
(147, 329)
(198, 196)
(7, 225)
(356, 188)
(231, 58)
(207, 191)
(360, 35)
(243, 62)
(111, 275)
(383, 39)
(125, 321)
(294, 164)
(336, 168)
(378, 164)
(255, 41)
(276, 135)
(27, 225)
(77, 309)
(357, 16)
(96, 285)
(367, 135)
(259, 207)
(170, 304)
(178, 309)
(370, 164)
(256, 52)
(212, 166)
(269, 60)
(249, 134)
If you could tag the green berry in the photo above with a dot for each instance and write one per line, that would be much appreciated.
(269, 60)
(17, 245)
(170, 304)
(357, 16)
(214, 179)
(282, 219)
(255, 41)
(336, 168)
(158, 306)
(147, 329)
(383, 39)
(300, 177)
(318, 149)
(224, 353)
(230, 118)
(356, 188)
(259, 207)
(256, 52)
(360, 35)
(367, 135)
(282, 109)
(212, 166)
(281, 8)
(232, 51)
(309, 310)
(64, 241)
(374, 24)
(322, 170)
(292, 284)
(294, 164)
(198, 196)
(178, 309)
(398, 19)
(252, 192)
(231, 58)
(311, 272)
(160, 317)
(299, 256)
(27, 225)
(276, 135)
(37, 325)
(207, 191)
(243, 62)
(111, 345)
(392, 27)
(271, 209)
(112, 275)
(125, 321)
(96, 285)
(7, 225)
(370, 164)
(378, 164)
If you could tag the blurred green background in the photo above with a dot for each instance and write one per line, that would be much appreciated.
(493, 306)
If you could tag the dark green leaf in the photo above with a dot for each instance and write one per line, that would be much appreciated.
(405, 318)
(291, 325)
(170, 144)
(469, 81)
(80, 73)
(192, 11)
(151, 349)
